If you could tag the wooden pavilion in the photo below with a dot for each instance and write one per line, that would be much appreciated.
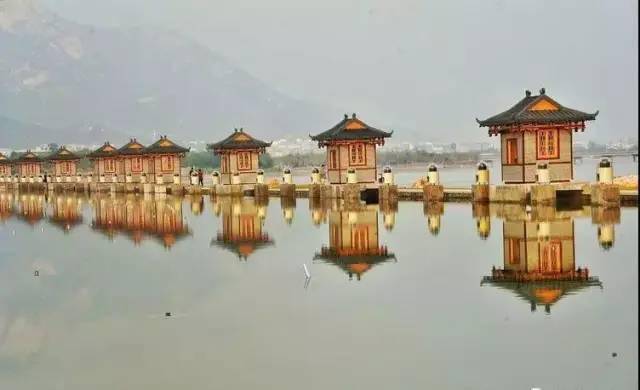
(28, 165)
(353, 242)
(239, 154)
(64, 162)
(165, 158)
(133, 161)
(5, 166)
(536, 129)
(351, 144)
(105, 161)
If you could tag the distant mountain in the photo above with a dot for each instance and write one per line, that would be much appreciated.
(60, 74)
(15, 134)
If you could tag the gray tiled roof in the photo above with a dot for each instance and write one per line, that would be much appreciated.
(351, 129)
(165, 145)
(239, 139)
(106, 150)
(62, 154)
(520, 113)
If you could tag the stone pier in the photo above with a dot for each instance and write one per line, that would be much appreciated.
(388, 193)
(433, 193)
(480, 193)
(543, 194)
(605, 195)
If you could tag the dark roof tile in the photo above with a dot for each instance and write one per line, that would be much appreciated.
(239, 139)
(350, 129)
(522, 113)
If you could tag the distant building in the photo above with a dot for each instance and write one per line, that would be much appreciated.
(536, 129)
(351, 144)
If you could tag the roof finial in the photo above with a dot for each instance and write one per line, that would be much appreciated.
(353, 115)
(346, 116)
(235, 129)
(527, 93)
(542, 91)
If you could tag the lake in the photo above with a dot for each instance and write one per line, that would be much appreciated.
(137, 292)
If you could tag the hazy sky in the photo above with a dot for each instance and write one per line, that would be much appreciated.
(422, 67)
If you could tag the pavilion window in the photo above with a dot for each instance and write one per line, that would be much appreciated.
(224, 163)
(548, 144)
(357, 154)
(333, 159)
(166, 163)
(244, 160)
(136, 164)
(551, 257)
(512, 150)
(109, 165)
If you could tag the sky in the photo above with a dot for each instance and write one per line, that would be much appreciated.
(426, 68)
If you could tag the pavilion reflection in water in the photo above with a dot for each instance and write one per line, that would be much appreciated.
(137, 216)
(539, 262)
(6, 206)
(354, 240)
(66, 211)
(31, 207)
(242, 225)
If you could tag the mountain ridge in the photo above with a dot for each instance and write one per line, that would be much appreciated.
(58, 74)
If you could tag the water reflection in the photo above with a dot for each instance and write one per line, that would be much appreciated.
(606, 218)
(159, 217)
(66, 211)
(242, 225)
(31, 208)
(433, 211)
(539, 262)
(353, 240)
(6, 206)
(288, 206)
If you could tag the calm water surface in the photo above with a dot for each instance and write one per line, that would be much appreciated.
(444, 297)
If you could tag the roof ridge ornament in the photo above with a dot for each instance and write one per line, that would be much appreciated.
(527, 93)
(353, 115)
(542, 91)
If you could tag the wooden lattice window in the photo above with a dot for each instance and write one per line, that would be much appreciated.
(109, 165)
(547, 145)
(333, 159)
(357, 154)
(136, 164)
(166, 163)
(244, 161)
(512, 150)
